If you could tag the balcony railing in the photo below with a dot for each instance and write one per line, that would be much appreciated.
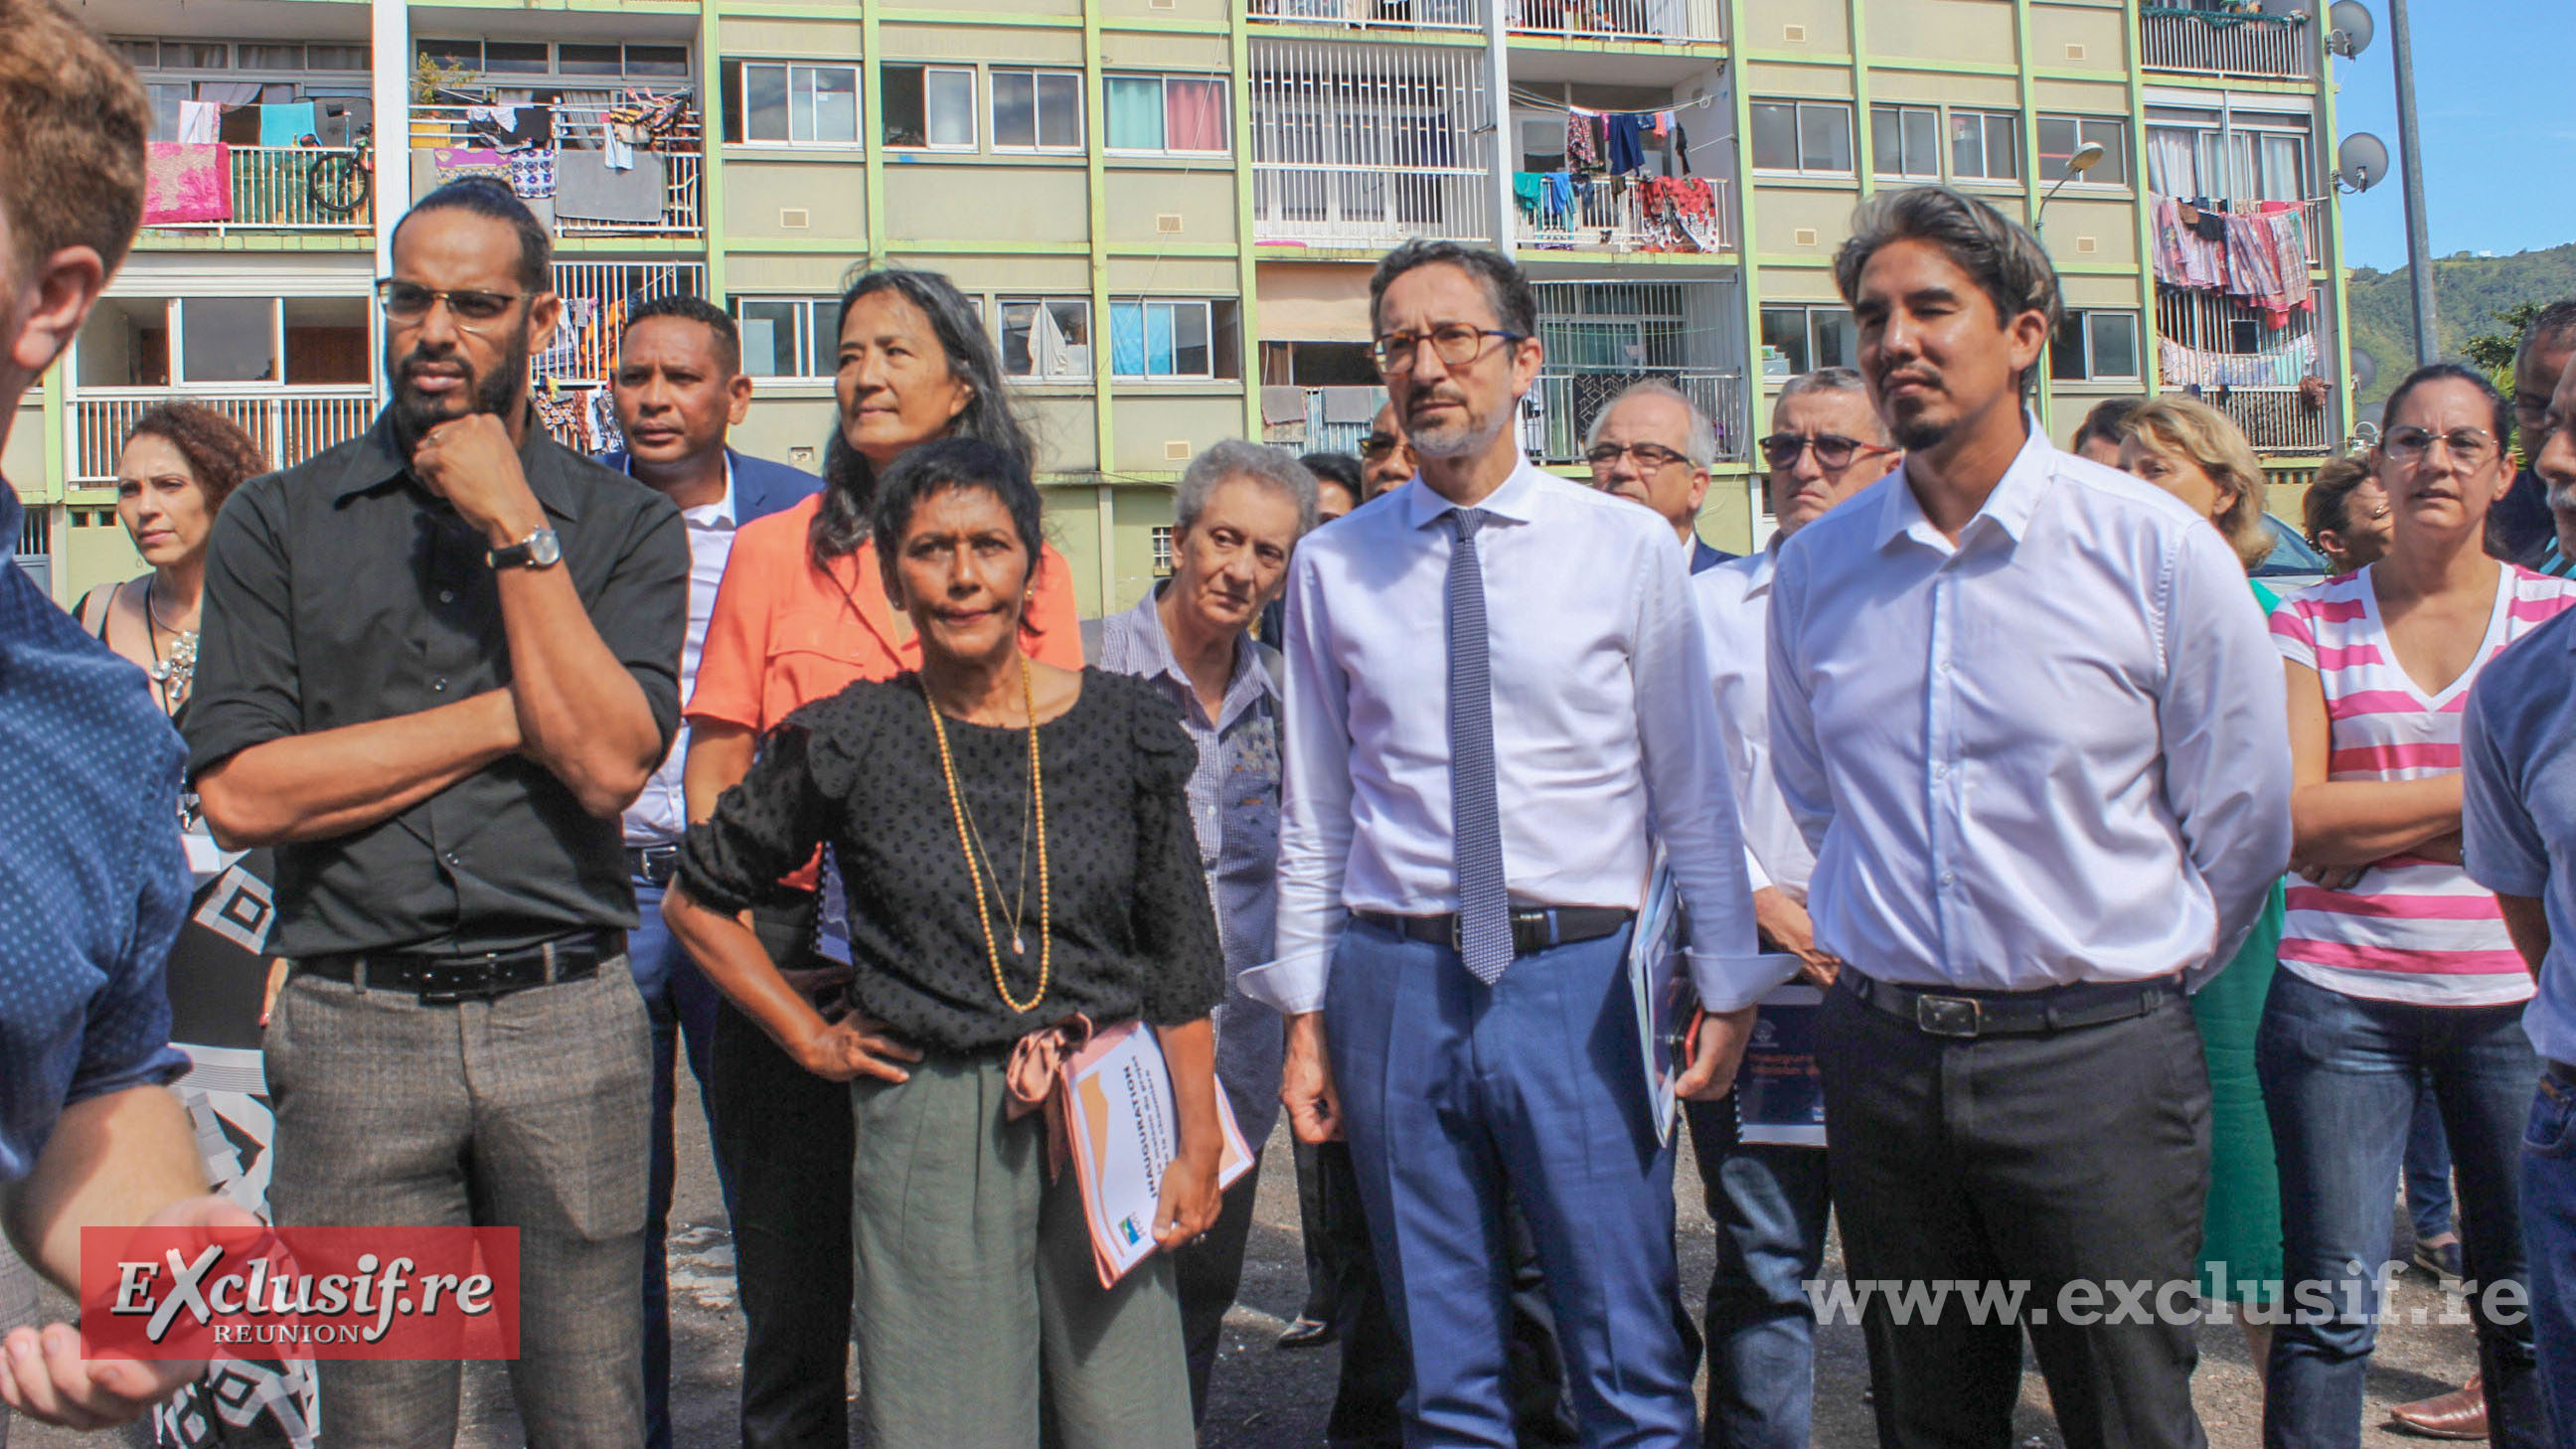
(1624, 20)
(1603, 219)
(2275, 419)
(2206, 42)
(596, 296)
(1560, 409)
(290, 424)
(584, 126)
(1316, 432)
(1336, 207)
(273, 190)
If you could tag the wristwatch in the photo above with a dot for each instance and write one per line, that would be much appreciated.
(537, 551)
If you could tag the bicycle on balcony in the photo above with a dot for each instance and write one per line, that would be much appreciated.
(340, 182)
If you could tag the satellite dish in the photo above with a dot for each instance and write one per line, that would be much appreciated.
(2372, 415)
(2365, 370)
(2361, 162)
(2349, 28)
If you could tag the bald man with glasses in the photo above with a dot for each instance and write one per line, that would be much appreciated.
(1653, 446)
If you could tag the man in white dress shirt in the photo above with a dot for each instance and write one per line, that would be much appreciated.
(1770, 1200)
(2024, 719)
(1653, 446)
(1465, 847)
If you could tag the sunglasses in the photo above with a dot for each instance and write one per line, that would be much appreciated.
(1378, 445)
(1833, 450)
(409, 302)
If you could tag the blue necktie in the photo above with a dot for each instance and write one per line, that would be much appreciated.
(1484, 900)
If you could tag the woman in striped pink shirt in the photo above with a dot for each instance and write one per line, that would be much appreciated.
(2393, 962)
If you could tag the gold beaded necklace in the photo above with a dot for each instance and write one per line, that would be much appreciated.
(1037, 797)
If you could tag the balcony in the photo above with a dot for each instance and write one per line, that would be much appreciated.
(2199, 41)
(2276, 420)
(289, 188)
(1623, 219)
(1363, 146)
(1327, 425)
(290, 424)
(677, 148)
(1629, 21)
(1560, 408)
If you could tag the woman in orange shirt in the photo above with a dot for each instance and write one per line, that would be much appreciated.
(802, 613)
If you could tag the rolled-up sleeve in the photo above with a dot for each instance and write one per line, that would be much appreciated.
(642, 612)
(1315, 833)
(1693, 804)
(247, 688)
(2224, 718)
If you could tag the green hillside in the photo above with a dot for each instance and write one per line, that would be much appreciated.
(2468, 292)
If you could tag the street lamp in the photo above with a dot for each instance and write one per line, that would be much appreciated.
(2086, 157)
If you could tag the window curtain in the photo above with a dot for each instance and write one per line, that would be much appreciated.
(2171, 166)
(1158, 342)
(1194, 115)
(1136, 114)
(1127, 338)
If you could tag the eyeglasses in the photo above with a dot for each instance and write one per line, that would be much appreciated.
(1455, 343)
(1833, 450)
(1378, 445)
(473, 310)
(1649, 456)
(2469, 446)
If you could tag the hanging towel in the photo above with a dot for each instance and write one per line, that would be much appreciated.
(618, 152)
(1627, 145)
(1350, 404)
(1558, 197)
(1282, 405)
(455, 163)
(285, 125)
(187, 183)
(1582, 143)
(1663, 123)
(532, 174)
(199, 122)
(588, 187)
(1528, 188)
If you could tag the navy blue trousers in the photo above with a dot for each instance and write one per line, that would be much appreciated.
(1454, 1093)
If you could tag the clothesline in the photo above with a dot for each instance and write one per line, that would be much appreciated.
(1566, 108)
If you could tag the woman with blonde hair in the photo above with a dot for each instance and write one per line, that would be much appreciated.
(2197, 454)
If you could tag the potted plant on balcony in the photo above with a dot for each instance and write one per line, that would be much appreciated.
(429, 76)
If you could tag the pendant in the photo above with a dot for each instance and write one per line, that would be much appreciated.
(1016, 947)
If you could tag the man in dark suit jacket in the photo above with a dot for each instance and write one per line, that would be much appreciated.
(679, 386)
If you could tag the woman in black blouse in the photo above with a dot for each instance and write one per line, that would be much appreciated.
(1015, 844)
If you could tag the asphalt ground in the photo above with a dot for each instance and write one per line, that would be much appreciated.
(1262, 1397)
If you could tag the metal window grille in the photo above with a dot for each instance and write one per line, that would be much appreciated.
(595, 298)
(1162, 552)
(1365, 146)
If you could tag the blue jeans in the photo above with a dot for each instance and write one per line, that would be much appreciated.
(1770, 1204)
(2340, 1078)
(1455, 1093)
(681, 1004)
(2549, 1232)
(2428, 1169)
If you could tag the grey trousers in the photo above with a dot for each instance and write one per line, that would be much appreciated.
(530, 1112)
(974, 1269)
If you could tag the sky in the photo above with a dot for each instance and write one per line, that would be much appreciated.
(2495, 104)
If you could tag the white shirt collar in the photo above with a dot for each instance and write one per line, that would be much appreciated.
(719, 514)
(1423, 505)
(2014, 499)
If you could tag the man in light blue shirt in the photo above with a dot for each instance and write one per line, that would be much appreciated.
(2518, 831)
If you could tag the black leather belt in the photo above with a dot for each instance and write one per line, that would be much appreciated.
(2006, 1013)
(654, 864)
(2563, 1073)
(1534, 928)
(446, 980)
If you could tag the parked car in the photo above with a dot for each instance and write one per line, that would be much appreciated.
(2293, 562)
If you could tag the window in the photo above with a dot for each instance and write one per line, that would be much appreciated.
(272, 57)
(1174, 339)
(1905, 142)
(140, 54)
(515, 57)
(2060, 137)
(1037, 110)
(338, 57)
(1801, 339)
(1983, 146)
(928, 105)
(788, 336)
(794, 104)
(669, 62)
(2095, 347)
(1808, 136)
(591, 59)
(1047, 340)
(1162, 552)
(195, 55)
(1169, 114)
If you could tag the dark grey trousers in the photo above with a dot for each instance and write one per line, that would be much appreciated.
(2045, 1159)
(531, 1112)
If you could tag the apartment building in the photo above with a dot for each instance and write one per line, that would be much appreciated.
(1167, 210)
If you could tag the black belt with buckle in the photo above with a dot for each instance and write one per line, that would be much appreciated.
(653, 864)
(447, 980)
(1534, 928)
(2007, 1013)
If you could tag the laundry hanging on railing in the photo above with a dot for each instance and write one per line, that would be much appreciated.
(187, 183)
(2260, 256)
(2285, 366)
